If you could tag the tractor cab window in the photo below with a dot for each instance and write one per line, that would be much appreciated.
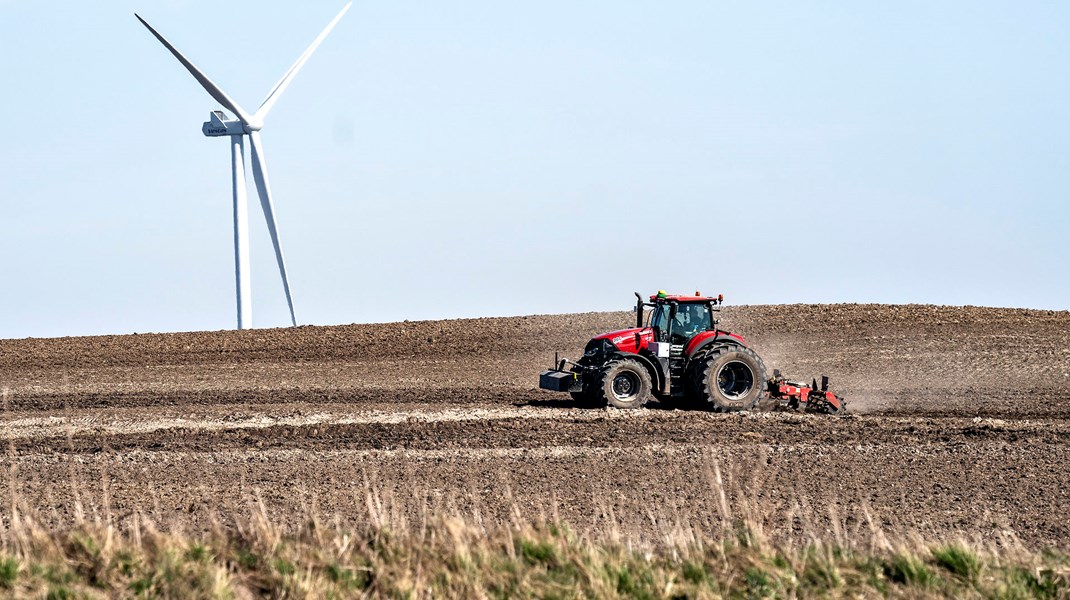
(660, 319)
(690, 320)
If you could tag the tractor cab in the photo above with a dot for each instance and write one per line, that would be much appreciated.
(676, 320)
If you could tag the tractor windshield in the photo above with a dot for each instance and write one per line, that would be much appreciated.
(691, 318)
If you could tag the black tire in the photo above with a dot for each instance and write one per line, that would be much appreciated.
(624, 383)
(728, 378)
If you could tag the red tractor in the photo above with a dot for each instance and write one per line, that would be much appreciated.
(678, 355)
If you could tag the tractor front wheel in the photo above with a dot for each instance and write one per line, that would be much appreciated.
(624, 384)
(728, 378)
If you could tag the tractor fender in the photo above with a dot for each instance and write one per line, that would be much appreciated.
(651, 365)
(703, 342)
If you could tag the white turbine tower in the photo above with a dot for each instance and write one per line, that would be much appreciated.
(248, 125)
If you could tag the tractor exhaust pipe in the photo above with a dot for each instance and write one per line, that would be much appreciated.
(638, 310)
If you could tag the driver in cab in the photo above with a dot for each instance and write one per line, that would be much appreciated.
(690, 320)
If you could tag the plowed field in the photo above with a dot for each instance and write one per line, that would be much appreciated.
(961, 426)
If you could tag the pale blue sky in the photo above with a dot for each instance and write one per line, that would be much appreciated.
(449, 159)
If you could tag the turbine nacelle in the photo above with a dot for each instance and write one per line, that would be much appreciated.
(219, 125)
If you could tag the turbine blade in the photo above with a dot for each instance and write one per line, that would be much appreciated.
(264, 190)
(280, 87)
(210, 87)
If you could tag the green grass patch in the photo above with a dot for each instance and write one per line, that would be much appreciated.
(906, 569)
(761, 584)
(9, 572)
(538, 552)
(958, 561)
(693, 573)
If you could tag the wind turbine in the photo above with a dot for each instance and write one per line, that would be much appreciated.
(247, 124)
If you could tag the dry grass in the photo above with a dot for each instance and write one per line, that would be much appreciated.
(452, 558)
(459, 555)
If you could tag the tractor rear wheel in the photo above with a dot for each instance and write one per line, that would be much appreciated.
(624, 384)
(729, 378)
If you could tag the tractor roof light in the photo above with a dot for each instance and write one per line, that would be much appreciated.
(720, 298)
(661, 293)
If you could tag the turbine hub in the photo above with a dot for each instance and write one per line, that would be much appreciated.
(254, 124)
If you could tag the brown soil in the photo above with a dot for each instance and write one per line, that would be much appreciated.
(961, 427)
